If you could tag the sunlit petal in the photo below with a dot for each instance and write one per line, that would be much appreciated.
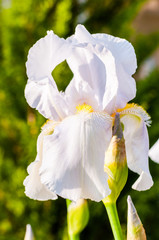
(73, 157)
(137, 144)
(45, 54)
(154, 152)
(107, 64)
(121, 50)
(87, 66)
(33, 187)
(46, 99)
(41, 91)
(120, 86)
(120, 65)
(82, 35)
(79, 92)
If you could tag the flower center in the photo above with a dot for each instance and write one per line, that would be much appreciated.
(84, 108)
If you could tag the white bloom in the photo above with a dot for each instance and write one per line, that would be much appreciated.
(71, 149)
(154, 152)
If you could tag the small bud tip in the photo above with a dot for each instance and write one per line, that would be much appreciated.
(135, 229)
(117, 128)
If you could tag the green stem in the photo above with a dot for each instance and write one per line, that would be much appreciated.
(114, 220)
(74, 237)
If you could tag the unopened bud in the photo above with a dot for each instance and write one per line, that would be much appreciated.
(135, 229)
(77, 216)
(115, 162)
(29, 233)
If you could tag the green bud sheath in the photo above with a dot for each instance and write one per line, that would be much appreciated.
(77, 216)
(135, 229)
(116, 163)
(29, 233)
(117, 170)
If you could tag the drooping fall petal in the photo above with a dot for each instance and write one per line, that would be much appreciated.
(134, 119)
(73, 157)
(33, 186)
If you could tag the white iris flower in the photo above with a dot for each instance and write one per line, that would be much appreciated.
(72, 145)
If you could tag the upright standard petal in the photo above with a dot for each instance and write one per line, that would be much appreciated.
(82, 35)
(73, 157)
(154, 152)
(45, 55)
(41, 91)
(135, 119)
(79, 92)
(87, 66)
(106, 63)
(121, 50)
(120, 86)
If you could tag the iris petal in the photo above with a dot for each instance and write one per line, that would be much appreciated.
(45, 55)
(46, 99)
(106, 63)
(120, 86)
(73, 157)
(87, 66)
(79, 92)
(137, 145)
(121, 50)
(41, 91)
(33, 187)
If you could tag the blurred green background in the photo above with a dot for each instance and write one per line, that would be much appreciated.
(22, 23)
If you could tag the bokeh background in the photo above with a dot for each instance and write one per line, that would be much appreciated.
(22, 23)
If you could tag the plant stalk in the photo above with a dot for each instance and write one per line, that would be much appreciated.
(74, 237)
(114, 220)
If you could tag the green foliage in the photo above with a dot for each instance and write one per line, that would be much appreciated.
(22, 23)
